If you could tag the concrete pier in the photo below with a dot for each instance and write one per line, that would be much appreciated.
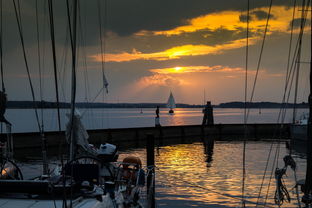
(137, 136)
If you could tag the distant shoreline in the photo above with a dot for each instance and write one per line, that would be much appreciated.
(52, 105)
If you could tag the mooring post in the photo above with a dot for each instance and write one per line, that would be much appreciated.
(150, 160)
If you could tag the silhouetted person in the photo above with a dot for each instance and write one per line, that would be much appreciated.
(157, 112)
(208, 114)
(157, 123)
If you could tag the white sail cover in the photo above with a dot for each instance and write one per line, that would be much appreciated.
(80, 134)
(171, 103)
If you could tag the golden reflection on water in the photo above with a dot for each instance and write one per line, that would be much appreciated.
(196, 175)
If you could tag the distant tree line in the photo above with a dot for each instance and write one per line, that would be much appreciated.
(261, 105)
(45, 104)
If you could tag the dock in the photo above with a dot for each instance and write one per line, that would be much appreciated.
(136, 136)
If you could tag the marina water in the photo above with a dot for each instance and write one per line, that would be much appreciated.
(190, 175)
(23, 120)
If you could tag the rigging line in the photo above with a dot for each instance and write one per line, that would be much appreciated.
(260, 56)
(102, 42)
(64, 63)
(26, 64)
(1, 46)
(1, 56)
(264, 174)
(302, 23)
(102, 47)
(245, 108)
(83, 38)
(292, 69)
(298, 41)
(291, 37)
(39, 65)
(69, 25)
(96, 96)
(278, 148)
(269, 184)
(279, 117)
(73, 92)
(54, 62)
(44, 19)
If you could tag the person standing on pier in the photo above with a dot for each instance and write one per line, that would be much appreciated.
(208, 115)
(157, 123)
(157, 112)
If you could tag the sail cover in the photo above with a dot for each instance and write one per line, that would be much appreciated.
(171, 103)
(80, 134)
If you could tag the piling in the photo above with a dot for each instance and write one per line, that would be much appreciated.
(150, 160)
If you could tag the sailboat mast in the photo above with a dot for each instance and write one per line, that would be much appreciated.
(73, 84)
(307, 198)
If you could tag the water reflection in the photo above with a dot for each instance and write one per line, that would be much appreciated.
(210, 174)
(208, 150)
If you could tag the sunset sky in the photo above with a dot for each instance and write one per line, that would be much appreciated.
(153, 47)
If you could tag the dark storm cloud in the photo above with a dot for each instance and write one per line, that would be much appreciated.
(128, 17)
(259, 15)
(297, 22)
(162, 42)
(124, 17)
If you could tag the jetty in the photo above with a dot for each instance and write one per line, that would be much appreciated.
(137, 136)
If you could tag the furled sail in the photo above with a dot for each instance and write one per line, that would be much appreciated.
(80, 134)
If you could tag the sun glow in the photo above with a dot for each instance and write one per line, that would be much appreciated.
(177, 68)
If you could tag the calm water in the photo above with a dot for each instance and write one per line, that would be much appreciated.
(23, 120)
(189, 175)
(192, 175)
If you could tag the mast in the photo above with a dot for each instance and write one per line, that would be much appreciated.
(73, 83)
(307, 198)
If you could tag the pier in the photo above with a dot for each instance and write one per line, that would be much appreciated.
(137, 136)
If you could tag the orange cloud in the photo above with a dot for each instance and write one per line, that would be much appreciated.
(161, 80)
(230, 20)
(175, 52)
(196, 69)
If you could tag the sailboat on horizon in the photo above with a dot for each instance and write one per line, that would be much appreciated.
(171, 103)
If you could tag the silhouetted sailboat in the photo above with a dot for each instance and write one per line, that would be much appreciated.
(171, 103)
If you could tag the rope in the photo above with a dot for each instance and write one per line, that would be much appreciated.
(281, 193)
(288, 83)
(54, 62)
(245, 109)
(19, 24)
(260, 56)
(103, 43)
(1, 47)
(39, 64)
(85, 66)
